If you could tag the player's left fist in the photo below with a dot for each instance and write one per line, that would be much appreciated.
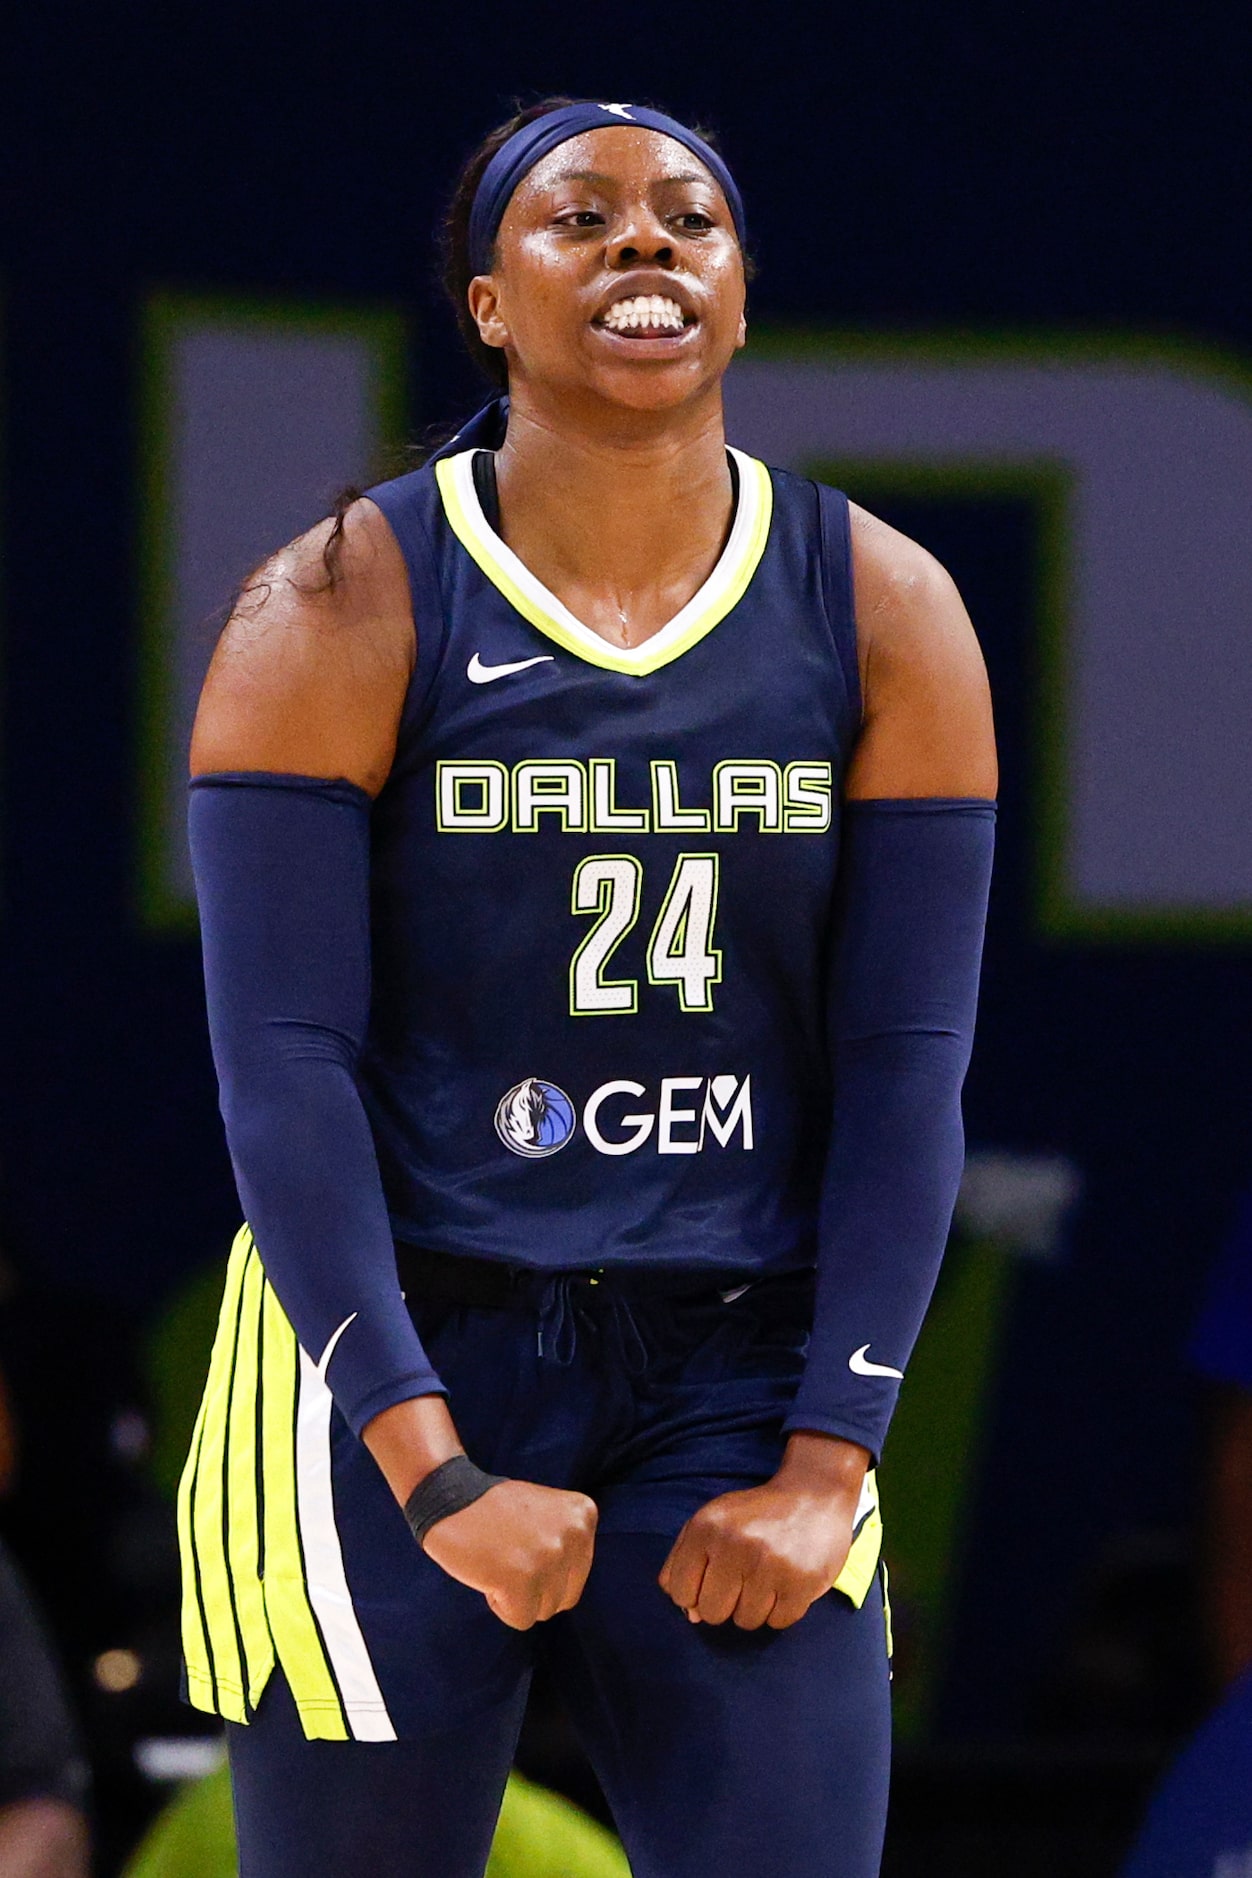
(762, 1555)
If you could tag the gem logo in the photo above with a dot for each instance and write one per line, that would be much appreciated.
(691, 1111)
(535, 1119)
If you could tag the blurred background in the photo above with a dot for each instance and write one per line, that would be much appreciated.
(1003, 299)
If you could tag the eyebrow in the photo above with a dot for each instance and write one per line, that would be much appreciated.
(598, 176)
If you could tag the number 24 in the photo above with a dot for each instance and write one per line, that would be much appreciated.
(680, 951)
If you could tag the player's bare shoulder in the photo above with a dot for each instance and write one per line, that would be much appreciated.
(310, 673)
(927, 706)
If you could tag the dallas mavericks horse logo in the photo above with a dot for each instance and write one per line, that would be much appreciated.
(535, 1118)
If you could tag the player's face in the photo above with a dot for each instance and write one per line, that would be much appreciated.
(618, 272)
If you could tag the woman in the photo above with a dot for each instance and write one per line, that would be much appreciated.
(556, 753)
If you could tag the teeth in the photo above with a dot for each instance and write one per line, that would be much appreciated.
(646, 311)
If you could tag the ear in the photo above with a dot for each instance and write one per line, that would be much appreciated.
(484, 305)
(741, 337)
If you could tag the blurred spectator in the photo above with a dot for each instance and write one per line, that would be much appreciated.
(92, 1537)
(1199, 1824)
(1128, 1676)
(78, 1513)
(1221, 1350)
(43, 1775)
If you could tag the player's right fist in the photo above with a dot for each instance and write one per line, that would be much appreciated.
(527, 1548)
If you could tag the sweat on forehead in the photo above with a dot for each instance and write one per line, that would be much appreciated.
(528, 146)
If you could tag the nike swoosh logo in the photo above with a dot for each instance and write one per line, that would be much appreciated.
(323, 1362)
(860, 1365)
(480, 674)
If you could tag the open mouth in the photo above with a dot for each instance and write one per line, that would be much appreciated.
(645, 316)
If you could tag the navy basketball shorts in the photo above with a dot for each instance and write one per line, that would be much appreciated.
(382, 1699)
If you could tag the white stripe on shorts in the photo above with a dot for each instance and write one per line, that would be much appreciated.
(323, 1560)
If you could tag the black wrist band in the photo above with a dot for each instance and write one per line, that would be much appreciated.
(448, 1489)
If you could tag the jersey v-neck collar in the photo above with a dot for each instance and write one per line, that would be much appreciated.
(722, 591)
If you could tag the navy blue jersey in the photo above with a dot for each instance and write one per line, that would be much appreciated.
(602, 885)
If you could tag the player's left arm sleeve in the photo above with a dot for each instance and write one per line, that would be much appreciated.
(911, 908)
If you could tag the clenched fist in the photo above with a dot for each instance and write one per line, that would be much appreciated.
(764, 1554)
(526, 1548)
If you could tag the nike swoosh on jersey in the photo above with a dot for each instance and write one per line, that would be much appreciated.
(480, 674)
(860, 1365)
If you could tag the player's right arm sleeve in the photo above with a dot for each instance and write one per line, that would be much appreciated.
(282, 878)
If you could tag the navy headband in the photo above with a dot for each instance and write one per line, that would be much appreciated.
(533, 141)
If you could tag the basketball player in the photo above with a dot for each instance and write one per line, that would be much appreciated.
(592, 832)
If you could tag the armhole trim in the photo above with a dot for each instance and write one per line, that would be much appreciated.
(400, 511)
(838, 590)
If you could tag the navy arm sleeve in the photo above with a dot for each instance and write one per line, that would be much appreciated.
(910, 911)
(282, 878)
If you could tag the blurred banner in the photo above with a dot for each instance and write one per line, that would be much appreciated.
(256, 416)
(1137, 459)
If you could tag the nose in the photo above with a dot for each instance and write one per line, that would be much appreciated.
(640, 235)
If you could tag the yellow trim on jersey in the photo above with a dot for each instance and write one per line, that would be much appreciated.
(721, 592)
(862, 1561)
(245, 1593)
(218, 1674)
(194, 1634)
(293, 1625)
(243, 1514)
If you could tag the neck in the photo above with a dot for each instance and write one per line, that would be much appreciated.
(623, 520)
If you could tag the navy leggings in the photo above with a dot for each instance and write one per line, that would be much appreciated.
(761, 1754)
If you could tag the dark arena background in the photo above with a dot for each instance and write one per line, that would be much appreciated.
(1002, 299)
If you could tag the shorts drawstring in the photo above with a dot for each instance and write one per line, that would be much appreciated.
(566, 1306)
(559, 1310)
(630, 1340)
